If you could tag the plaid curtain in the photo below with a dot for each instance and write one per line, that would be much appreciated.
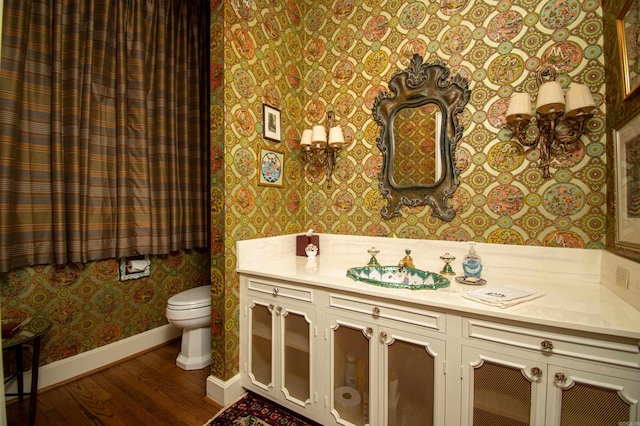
(104, 129)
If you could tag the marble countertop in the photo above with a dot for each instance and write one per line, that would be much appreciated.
(573, 297)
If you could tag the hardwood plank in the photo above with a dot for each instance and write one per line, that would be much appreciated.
(178, 379)
(148, 389)
(83, 402)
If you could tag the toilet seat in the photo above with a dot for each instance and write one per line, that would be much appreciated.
(198, 297)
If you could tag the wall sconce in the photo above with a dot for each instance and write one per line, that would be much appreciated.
(318, 151)
(558, 131)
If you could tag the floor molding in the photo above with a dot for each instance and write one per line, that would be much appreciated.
(224, 393)
(86, 362)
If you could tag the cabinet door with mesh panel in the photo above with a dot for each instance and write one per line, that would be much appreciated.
(260, 366)
(297, 370)
(350, 367)
(413, 379)
(501, 389)
(585, 398)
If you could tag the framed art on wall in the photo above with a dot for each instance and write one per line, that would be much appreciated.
(270, 167)
(271, 123)
(628, 28)
(627, 156)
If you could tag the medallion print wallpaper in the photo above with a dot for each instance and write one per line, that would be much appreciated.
(308, 58)
(88, 304)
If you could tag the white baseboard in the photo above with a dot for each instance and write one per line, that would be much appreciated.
(78, 365)
(224, 393)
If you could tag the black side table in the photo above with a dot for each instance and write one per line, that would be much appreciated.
(30, 333)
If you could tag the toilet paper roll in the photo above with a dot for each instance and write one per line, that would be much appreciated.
(348, 403)
(136, 265)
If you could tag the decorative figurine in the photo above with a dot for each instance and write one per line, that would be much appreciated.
(311, 250)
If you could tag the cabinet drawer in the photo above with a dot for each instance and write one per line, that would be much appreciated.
(617, 353)
(423, 318)
(279, 290)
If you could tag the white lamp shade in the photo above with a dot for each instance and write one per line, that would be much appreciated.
(550, 98)
(579, 100)
(305, 141)
(519, 107)
(319, 136)
(336, 138)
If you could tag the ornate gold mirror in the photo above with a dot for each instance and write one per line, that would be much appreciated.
(418, 137)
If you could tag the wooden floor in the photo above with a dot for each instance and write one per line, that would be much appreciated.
(146, 390)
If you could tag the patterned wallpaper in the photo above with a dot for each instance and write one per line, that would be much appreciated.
(223, 296)
(308, 58)
(88, 304)
(498, 46)
(263, 45)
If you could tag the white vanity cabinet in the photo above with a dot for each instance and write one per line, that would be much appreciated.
(385, 363)
(313, 340)
(347, 358)
(278, 346)
(525, 376)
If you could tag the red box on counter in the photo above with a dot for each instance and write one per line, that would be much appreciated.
(302, 241)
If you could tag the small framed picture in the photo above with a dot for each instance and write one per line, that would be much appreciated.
(271, 125)
(627, 158)
(628, 28)
(270, 167)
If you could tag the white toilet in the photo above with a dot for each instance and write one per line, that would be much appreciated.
(190, 310)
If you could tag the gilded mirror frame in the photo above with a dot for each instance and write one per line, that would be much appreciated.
(420, 84)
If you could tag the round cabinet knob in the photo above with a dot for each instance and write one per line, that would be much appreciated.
(368, 332)
(536, 372)
(376, 311)
(279, 310)
(561, 379)
(383, 337)
(276, 291)
(546, 345)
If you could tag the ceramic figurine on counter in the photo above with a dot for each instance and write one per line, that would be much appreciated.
(311, 250)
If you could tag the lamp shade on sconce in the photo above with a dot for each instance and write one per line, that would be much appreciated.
(550, 98)
(579, 101)
(305, 141)
(336, 138)
(519, 107)
(319, 136)
(319, 152)
(560, 119)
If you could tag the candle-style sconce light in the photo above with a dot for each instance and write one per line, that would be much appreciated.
(320, 151)
(560, 119)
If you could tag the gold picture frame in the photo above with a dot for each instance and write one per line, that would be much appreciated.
(627, 159)
(270, 167)
(628, 28)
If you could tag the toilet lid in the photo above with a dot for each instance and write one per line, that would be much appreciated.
(191, 299)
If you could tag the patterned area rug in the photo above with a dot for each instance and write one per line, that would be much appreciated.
(251, 410)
